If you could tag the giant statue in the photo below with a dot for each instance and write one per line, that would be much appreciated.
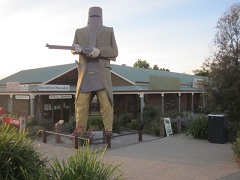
(96, 46)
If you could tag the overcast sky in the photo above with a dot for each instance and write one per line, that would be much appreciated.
(174, 34)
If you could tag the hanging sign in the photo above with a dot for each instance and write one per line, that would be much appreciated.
(168, 127)
(22, 97)
(64, 96)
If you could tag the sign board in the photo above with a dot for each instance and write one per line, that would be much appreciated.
(168, 127)
(61, 121)
(53, 87)
(164, 83)
(12, 86)
(26, 97)
(13, 121)
(66, 96)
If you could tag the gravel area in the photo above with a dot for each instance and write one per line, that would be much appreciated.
(176, 157)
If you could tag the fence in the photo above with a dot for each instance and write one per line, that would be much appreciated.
(78, 139)
(179, 121)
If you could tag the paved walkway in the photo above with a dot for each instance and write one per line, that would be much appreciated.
(177, 157)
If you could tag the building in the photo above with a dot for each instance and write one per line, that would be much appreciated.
(49, 93)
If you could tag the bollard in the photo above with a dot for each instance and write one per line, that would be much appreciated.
(1, 119)
(3, 116)
(109, 143)
(22, 124)
(140, 135)
(44, 136)
(179, 125)
(58, 129)
(162, 130)
(75, 142)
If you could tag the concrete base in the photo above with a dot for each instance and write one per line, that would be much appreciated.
(96, 135)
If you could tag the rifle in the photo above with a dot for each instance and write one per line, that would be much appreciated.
(85, 50)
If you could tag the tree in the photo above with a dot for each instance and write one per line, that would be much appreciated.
(201, 72)
(155, 67)
(141, 64)
(163, 69)
(223, 88)
(144, 64)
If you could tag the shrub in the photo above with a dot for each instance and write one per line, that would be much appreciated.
(46, 124)
(173, 114)
(125, 119)
(198, 128)
(236, 148)
(151, 117)
(150, 112)
(34, 131)
(95, 123)
(70, 125)
(152, 128)
(33, 126)
(86, 164)
(233, 129)
(116, 125)
(19, 158)
(134, 124)
(31, 121)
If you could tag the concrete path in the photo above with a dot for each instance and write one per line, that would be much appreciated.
(177, 157)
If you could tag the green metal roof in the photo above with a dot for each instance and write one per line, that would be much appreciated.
(142, 75)
(38, 75)
(45, 74)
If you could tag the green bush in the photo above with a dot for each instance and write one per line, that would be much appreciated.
(152, 128)
(33, 126)
(19, 158)
(125, 119)
(151, 118)
(198, 128)
(46, 124)
(150, 112)
(134, 124)
(236, 148)
(173, 114)
(34, 131)
(95, 123)
(116, 125)
(70, 125)
(86, 164)
(233, 130)
(31, 121)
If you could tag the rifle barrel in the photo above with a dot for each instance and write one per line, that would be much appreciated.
(60, 47)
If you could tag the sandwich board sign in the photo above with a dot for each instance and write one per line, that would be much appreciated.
(168, 127)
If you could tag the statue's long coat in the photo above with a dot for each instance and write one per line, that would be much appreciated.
(107, 44)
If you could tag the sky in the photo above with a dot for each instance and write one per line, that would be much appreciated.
(173, 34)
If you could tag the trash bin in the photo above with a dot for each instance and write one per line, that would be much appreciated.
(217, 128)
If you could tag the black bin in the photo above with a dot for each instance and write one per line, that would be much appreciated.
(217, 128)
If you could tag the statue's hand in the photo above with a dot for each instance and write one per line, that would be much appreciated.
(95, 53)
(77, 49)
